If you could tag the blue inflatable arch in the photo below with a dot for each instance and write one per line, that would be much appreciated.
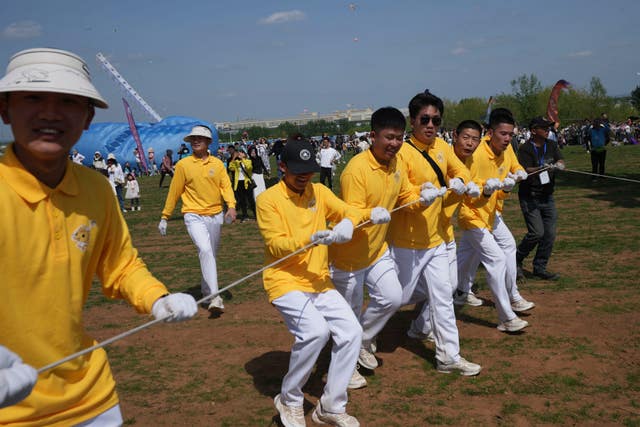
(116, 138)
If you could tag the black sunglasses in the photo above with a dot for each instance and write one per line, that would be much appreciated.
(436, 120)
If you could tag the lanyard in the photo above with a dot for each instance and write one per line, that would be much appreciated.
(540, 159)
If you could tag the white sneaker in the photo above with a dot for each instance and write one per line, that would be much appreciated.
(367, 359)
(341, 420)
(216, 305)
(468, 298)
(463, 366)
(417, 335)
(291, 416)
(513, 325)
(522, 305)
(357, 381)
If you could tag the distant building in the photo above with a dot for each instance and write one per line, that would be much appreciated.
(353, 115)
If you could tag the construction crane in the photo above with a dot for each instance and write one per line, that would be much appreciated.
(106, 65)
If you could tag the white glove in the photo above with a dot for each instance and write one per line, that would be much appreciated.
(16, 378)
(428, 193)
(457, 186)
(559, 166)
(380, 215)
(520, 175)
(473, 190)
(343, 231)
(323, 237)
(491, 185)
(508, 184)
(162, 227)
(180, 306)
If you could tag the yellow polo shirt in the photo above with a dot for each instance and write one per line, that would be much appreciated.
(365, 184)
(53, 243)
(480, 212)
(202, 185)
(287, 220)
(421, 229)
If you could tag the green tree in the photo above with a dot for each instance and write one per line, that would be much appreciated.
(635, 98)
(526, 90)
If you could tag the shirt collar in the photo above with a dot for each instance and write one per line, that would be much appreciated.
(290, 194)
(375, 164)
(28, 186)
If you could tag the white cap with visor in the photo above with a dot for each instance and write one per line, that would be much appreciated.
(50, 70)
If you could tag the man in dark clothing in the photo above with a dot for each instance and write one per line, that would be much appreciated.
(541, 158)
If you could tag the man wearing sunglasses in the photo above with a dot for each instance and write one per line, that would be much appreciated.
(416, 239)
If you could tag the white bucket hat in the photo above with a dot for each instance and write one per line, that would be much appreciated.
(50, 70)
(199, 130)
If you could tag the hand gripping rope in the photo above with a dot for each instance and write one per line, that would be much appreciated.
(202, 300)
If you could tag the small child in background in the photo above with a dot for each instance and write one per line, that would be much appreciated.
(133, 192)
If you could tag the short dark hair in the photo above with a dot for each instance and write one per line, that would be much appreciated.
(503, 117)
(468, 124)
(422, 100)
(388, 118)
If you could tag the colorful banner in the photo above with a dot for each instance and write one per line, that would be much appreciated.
(136, 137)
(552, 106)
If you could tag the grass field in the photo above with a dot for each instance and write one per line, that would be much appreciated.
(578, 364)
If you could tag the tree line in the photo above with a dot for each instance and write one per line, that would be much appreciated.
(528, 98)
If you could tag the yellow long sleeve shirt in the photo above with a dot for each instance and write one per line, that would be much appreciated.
(202, 185)
(365, 184)
(480, 212)
(235, 167)
(421, 229)
(53, 243)
(287, 220)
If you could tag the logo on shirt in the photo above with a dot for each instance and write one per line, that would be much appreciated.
(396, 176)
(500, 170)
(312, 205)
(440, 157)
(211, 172)
(82, 236)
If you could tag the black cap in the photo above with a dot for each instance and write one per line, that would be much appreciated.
(299, 157)
(540, 122)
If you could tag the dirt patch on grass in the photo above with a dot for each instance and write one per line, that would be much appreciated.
(576, 364)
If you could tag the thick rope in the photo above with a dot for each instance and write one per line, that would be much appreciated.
(602, 176)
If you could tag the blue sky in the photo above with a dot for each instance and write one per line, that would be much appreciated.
(230, 60)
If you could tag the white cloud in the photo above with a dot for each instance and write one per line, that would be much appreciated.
(459, 51)
(22, 30)
(580, 53)
(283, 17)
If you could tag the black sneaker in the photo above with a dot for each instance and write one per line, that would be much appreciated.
(546, 275)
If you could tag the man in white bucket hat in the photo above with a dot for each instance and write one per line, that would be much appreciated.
(75, 232)
(202, 182)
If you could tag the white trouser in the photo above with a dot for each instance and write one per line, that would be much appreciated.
(258, 178)
(313, 318)
(205, 233)
(480, 241)
(507, 243)
(385, 294)
(429, 269)
(109, 418)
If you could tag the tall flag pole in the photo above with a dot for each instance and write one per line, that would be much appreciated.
(136, 136)
(489, 106)
(552, 106)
